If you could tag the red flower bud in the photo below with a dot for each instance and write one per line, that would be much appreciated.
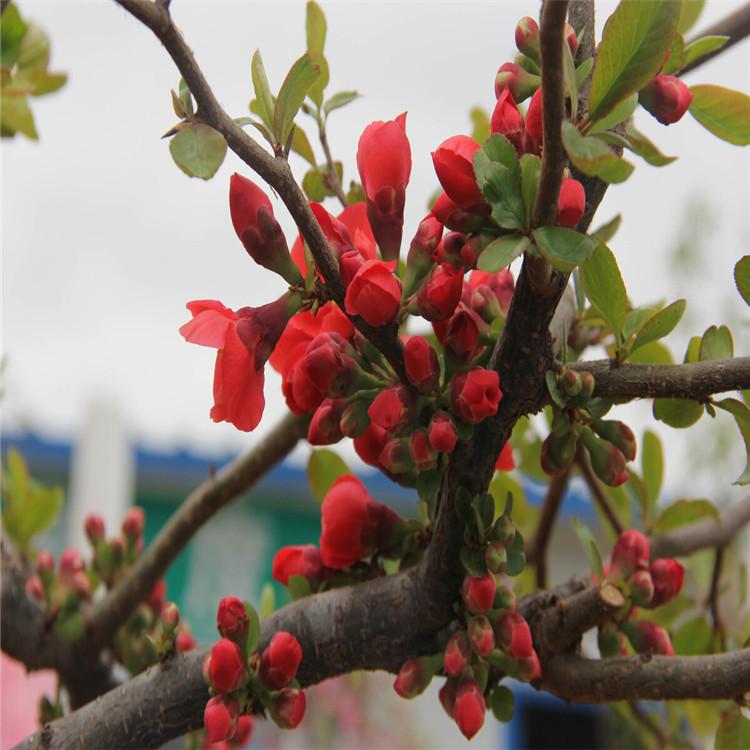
(133, 524)
(419, 260)
(667, 576)
(496, 557)
(607, 460)
(421, 451)
(243, 732)
(505, 461)
(302, 561)
(528, 668)
(369, 445)
(227, 668)
(447, 696)
(513, 635)
(648, 637)
(184, 641)
(288, 708)
(461, 340)
(611, 642)
(395, 458)
(71, 562)
(232, 620)
(457, 656)
(527, 38)
(619, 434)
(220, 718)
(456, 218)
(479, 593)
(521, 84)
(571, 204)
(453, 161)
(375, 293)
(532, 134)
(413, 678)
(279, 662)
(630, 553)
(393, 408)
(94, 528)
(35, 588)
(421, 362)
(508, 121)
(475, 394)
(441, 293)
(325, 428)
(481, 635)
(354, 420)
(469, 707)
(667, 98)
(170, 618)
(641, 588)
(442, 432)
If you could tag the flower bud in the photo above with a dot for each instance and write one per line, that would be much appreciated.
(667, 576)
(170, 619)
(35, 588)
(393, 408)
(469, 707)
(184, 641)
(481, 635)
(220, 717)
(421, 451)
(354, 419)
(447, 696)
(134, 523)
(453, 161)
(325, 428)
(504, 598)
(630, 553)
(395, 457)
(475, 394)
(533, 132)
(648, 637)
(667, 98)
(641, 588)
(518, 81)
(607, 461)
(496, 557)
(94, 528)
(504, 530)
(302, 561)
(243, 732)
(570, 382)
(587, 385)
(45, 566)
(619, 434)
(80, 584)
(513, 635)
(528, 668)
(279, 662)
(611, 642)
(419, 261)
(508, 121)
(461, 341)
(557, 452)
(458, 219)
(375, 293)
(421, 362)
(413, 677)
(441, 293)
(288, 708)
(442, 432)
(457, 657)
(227, 668)
(232, 620)
(479, 593)
(527, 38)
(571, 204)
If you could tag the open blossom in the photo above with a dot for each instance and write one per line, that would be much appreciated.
(454, 166)
(384, 164)
(393, 408)
(302, 561)
(354, 524)
(475, 394)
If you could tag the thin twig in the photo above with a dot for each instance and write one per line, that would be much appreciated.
(713, 594)
(584, 464)
(332, 176)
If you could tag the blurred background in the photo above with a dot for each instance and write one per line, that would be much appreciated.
(104, 240)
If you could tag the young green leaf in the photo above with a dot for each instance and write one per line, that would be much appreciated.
(639, 144)
(198, 149)
(733, 732)
(263, 97)
(660, 324)
(684, 512)
(562, 247)
(652, 463)
(603, 284)
(571, 83)
(593, 157)
(502, 251)
(301, 145)
(531, 166)
(339, 100)
(300, 78)
(741, 414)
(503, 192)
(589, 547)
(703, 46)
(253, 632)
(635, 41)
(481, 122)
(498, 148)
(723, 112)
(315, 27)
(742, 277)
(501, 702)
(716, 344)
(323, 468)
(619, 114)
(677, 412)
(316, 90)
(691, 10)
(676, 59)
(607, 231)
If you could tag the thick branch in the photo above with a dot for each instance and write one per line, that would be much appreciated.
(204, 502)
(697, 381)
(659, 678)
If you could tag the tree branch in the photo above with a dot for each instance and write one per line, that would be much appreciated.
(600, 498)
(658, 678)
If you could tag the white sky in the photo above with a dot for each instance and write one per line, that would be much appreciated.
(104, 239)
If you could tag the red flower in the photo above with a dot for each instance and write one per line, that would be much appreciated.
(393, 408)
(469, 707)
(475, 394)
(375, 293)
(302, 561)
(442, 432)
(505, 461)
(532, 135)
(226, 668)
(630, 553)
(458, 219)
(421, 450)
(441, 293)
(370, 444)
(354, 525)
(220, 717)
(260, 233)
(453, 161)
(667, 98)
(288, 708)
(421, 362)
(571, 204)
(325, 428)
(501, 284)
(384, 164)
(508, 121)
(481, 635)
(279, 662)
(232, 620)
(457, 657)
(244, 340)
(667, 576)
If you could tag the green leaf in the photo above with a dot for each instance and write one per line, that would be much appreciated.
(253, 633)
(639, 144)
(516, 557)
(341, 99)
(267, 601)
(684, 512)
(654, 353)
(34, 55)
(498, 148)
(635, 41)
(571, 83)
(583, 70)
(676, 59)
(481, 122)
(503, 193)
(198, 149)
(301, 145)
(635, 319)
(315, 27)
(46, 83)
(589, 547)
(501, 702)
(316, 90)
(69, 624)
(323, 468)
(263, 96)
(300, 78)
(652, 463)
(186, 98)
(660, 324)
(299, 587)
(703, 46)
(564, 248)
(677, 412)
(474, 562)
(716, 344)
(16, 117)
(593, 157)
(607, 231)
(723, 112)
(531, 166)
(603, 284)
(12, 31)
(733, 732)
(694, 638)
(741, 414)
(502, 251)
(742, 277)
(554, 389)
(619, 114)
(691, 10)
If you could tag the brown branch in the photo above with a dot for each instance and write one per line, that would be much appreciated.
(697, 381)
(736, 26)
(204, 502)
(595, 488)
(702, 534)
(658, 678)
(332, 176)
(713, 594)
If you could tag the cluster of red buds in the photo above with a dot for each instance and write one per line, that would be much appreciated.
(139, 642)
(491, 633)
(648, 586)
(609, 443)
(239, 676)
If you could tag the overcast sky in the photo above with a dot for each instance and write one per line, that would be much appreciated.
(104, 240)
